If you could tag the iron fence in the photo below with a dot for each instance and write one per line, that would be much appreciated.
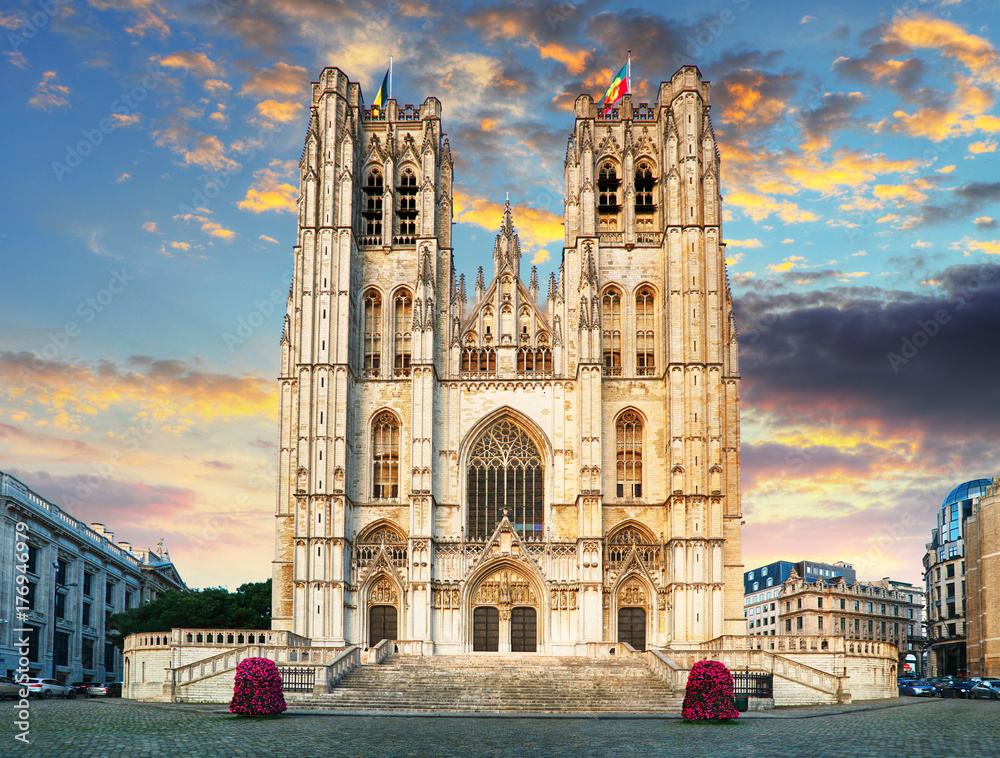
(298, 679)
(753, 684)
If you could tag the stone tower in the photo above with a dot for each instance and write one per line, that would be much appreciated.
(517, 472)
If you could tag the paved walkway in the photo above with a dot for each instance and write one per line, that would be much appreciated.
(121, 729)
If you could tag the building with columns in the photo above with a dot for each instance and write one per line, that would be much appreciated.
(75, 577)
(515, 467)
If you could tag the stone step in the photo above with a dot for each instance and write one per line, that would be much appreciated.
(522, 683)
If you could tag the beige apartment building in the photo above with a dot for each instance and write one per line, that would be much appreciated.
(982, 610)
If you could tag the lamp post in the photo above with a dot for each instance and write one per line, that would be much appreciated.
(55, 591)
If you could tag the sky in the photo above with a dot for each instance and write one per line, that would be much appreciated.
(147, 223)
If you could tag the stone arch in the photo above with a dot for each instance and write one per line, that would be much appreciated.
(383, 588)
(634, 589)
(527, 588)
(534, 435)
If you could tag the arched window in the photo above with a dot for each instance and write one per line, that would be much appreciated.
(628, 433)
(402, 321)
(385, 456)
(505, 474)
(372, 333)
(644, 184)
(645, 359)
(611, 313)
(408, 213)
(372, 210)
(607, 188)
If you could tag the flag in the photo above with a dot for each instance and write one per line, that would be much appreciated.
(381, 96)
(619, 86)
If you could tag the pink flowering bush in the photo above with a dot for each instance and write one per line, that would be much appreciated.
(709, 692)
(258, 689)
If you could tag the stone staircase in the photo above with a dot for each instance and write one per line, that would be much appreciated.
(500, 683)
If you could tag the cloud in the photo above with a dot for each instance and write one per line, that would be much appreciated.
(211, 228)
(537, 227)
(198, 64)
(273, 189)
(985, 222)
(195, 147)
(985, 146)
(281, 79)
(151, 227)
(123, 177)
(990, 247)
(834, 114)
(965, 200)
(272, 240)
(754, 242)
(49, 94)
(172, 393)
(541, 255)
(789, 263)
(273, 112)
(149, 16)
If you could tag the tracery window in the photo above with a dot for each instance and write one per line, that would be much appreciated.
(402, 322)
(621, 544)
(611, 313)
(628, 432)
(372, 333)
(645, 359)
(408, 213)
(385, 456)
(372, 543)
(372, 210)
(506, 473)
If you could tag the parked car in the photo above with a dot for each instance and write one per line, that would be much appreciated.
(105, 689)
(9, 688)
(917, 688)
(48, 688)
(80, 688)
(986, 689)
(959, 688)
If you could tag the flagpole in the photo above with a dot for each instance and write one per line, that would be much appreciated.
(390, 77)
(628, 74)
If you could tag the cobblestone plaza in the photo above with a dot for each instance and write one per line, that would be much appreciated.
(119, 729)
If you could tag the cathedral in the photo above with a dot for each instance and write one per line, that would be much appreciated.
(510, 466)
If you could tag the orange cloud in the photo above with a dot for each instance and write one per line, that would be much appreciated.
(198, 64)
(272, 189)
(280, 113)
(280, 79)
(923, 31)
(574, 60)
(195, 148)
(536, 227)
(49, 94)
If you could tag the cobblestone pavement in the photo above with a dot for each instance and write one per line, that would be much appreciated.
(115, 728)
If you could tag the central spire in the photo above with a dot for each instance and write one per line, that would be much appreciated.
(507, 250)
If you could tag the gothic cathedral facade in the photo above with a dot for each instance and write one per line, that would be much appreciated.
(514, 469)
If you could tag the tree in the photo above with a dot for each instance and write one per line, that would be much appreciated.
(210, 608)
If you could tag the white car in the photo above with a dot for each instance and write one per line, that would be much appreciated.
(47, 688)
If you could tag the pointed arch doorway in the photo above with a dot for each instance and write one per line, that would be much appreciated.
(505, 614)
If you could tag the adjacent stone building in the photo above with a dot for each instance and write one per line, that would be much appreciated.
(945, 580)
(520, 467)
(982, 610)
(76, 576)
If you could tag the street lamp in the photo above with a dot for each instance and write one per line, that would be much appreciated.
(55, 591)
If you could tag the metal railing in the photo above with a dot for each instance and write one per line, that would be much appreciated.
(753, 684)
(298, 679)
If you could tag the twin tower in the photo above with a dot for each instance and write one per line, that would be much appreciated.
(511, 468)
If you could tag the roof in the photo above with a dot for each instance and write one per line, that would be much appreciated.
(973, 488)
